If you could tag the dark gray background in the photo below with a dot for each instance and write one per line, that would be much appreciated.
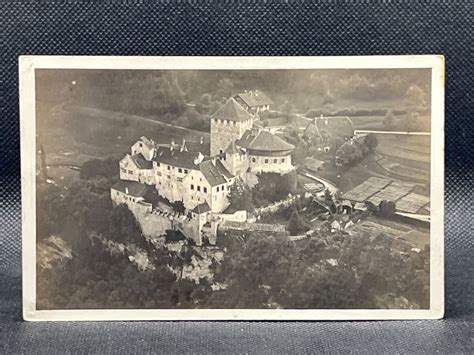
(246, 28)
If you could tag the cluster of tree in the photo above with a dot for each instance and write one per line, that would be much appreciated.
(107, 168)
(296, 224)
(309, 144)
(271, 187)
(161, 93)
(411, 122)
(192, 119)
(327, 271)
(351, 153)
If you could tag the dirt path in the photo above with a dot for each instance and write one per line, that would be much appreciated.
(120, 116)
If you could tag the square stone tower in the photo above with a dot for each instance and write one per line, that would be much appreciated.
(228, 124)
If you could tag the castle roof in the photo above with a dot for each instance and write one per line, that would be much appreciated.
(335, 126)
(141, 162)
(175, 157)
(255, 98)
(232, 111)
(263, 140)
(213, 174)
(131, 188)
(223, 170)
(202, 208)
(233, 149)
(149, 143)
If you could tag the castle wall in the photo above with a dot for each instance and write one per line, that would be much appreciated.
(223, 132)
(237, 164)
(270, 164)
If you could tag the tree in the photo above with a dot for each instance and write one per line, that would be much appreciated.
(389, 121)
(107, 168)
(371, 142)
(288, 110)
(178, 206)
(225, 87)
(240, 197)
(387, 208)
(296, 224)
(415, 98)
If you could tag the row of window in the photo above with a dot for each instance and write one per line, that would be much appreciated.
(125, 171)
(275, 161)
(126, 197)
(232, 123)
(169, 167)
(198, 188)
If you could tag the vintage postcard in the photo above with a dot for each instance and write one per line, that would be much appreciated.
(232, 188)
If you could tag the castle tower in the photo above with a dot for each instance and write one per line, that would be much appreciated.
(236, 161)
(228, 124)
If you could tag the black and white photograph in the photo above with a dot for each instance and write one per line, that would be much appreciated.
(233, 189)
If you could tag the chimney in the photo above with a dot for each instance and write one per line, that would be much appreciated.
(183, 146)
(126, 190)
(172, 144)
(201, 141)
(198, 159)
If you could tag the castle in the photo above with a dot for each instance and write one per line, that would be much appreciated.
(197, 175)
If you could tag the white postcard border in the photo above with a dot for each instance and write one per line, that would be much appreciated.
(27, 66)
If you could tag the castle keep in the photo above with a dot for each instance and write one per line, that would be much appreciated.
(198, 176)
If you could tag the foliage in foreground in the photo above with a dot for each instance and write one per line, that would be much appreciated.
(326, 271)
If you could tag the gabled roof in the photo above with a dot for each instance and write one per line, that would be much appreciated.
(336, 126)
(131, 188)
(212, 173)
(233, 149)
(201, 208)
(141, 162)
(312, 129)
(232, 111)
(223, 170)
(175, 157)
(255, 98)
(204, 148)
(267, 141)
(149, 143)
(247, 138)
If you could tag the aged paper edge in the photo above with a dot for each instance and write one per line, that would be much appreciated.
(27, 66)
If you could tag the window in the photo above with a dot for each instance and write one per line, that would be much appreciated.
(192, 187)
(123, 170)
(169, 167)
(118, 193)
(223, 187)
(217, 188)
(169, 177)
(220, 151)
(199, 188)
(274, 161)
(180, 179)
(200, 179)
(140, 144)
(157, 163)
(185, 171)
(266, 161)
(130, 172)
(180, 170)
(254, 160)
(282, 160)
(158, 173)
